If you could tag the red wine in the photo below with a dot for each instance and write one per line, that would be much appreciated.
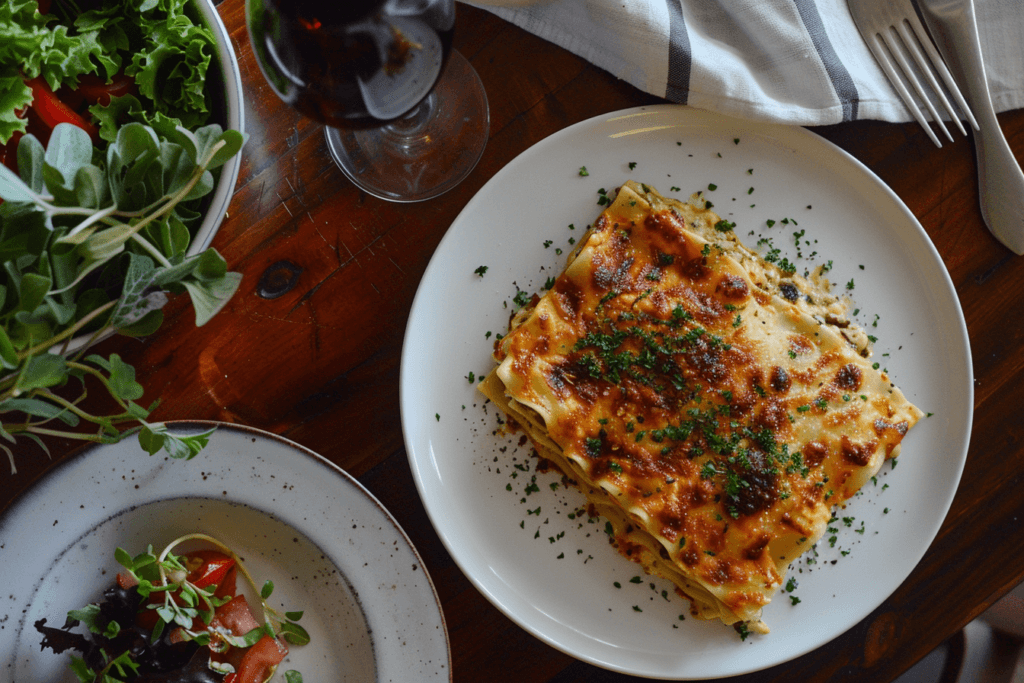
(351, 64)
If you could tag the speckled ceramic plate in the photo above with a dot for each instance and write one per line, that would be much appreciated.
(329, 546)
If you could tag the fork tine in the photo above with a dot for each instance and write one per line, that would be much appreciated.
(912, 31)
(898, 49)
(881, 53)
(940, 67)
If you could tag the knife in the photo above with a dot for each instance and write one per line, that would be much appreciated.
(1000, 181)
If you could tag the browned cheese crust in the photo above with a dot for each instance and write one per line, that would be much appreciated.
(713, 407)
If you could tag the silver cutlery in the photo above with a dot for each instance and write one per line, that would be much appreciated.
(903, 49)
(1000, 180)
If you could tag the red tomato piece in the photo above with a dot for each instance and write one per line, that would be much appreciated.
(259, 661)
(252, 665)
(97, 91)
(235, 616)
(126, 580)
(227, 588)
(53, 111)
(212, 567)
(146, 618)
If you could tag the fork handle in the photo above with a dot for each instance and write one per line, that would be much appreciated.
(1000, 180)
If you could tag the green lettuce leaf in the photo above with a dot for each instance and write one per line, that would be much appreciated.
(14, 95)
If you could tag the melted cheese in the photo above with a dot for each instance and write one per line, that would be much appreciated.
(713, 407)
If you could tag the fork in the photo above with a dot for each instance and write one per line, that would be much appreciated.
(896, 38)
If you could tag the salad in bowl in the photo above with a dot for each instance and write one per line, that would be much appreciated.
(115, 169)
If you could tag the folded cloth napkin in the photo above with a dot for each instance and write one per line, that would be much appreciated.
(788, 61)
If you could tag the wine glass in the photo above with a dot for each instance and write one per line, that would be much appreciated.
(406, 116)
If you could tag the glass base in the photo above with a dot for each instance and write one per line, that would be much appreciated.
(428, 151)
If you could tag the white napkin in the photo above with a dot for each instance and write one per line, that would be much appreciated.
(788, 61)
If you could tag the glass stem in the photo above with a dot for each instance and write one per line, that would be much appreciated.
(407, 131)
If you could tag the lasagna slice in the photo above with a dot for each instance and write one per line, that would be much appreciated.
(712, 406)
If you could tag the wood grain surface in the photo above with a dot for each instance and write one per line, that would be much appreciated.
(319, 364)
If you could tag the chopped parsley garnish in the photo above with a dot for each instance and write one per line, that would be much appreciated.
(481, 270)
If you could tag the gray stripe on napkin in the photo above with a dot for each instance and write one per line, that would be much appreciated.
(677, 88)
(846, 89)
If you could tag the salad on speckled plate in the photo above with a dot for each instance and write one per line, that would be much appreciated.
(178, 619)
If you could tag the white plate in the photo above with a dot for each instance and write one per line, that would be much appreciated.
(561, 588)
(328, 545)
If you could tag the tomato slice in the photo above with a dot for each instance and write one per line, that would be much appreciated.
(211, 567)
(126, 580)
(259, 662)
(97, 91)
(252, 665)
(235, 616)
(227, 588)
(51, 110)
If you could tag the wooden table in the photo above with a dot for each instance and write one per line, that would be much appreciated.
(320, 364)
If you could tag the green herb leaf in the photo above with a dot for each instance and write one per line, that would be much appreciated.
(89, 616)
(46, 370)
(39, 408)
(153, 437)
(294, 633)
(82, 670)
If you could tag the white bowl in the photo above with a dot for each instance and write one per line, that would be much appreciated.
(232, 105)
(228, 103)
